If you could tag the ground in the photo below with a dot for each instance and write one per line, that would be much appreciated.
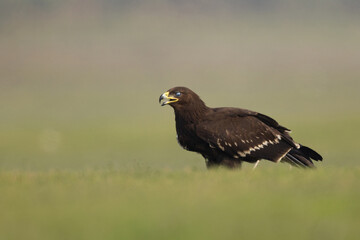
(269, 203)
(88, 153)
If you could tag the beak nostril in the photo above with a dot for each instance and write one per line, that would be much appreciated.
(167, 99)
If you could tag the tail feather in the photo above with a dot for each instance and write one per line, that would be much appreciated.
(303, 157)
(299, 161)
(310, 153)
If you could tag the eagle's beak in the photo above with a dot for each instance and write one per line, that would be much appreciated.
(166, 99)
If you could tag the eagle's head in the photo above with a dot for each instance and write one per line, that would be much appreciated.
(178, 97)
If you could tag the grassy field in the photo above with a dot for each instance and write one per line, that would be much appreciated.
(188, 204)
(86, 152)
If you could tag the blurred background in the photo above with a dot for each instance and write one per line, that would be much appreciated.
(80, 80)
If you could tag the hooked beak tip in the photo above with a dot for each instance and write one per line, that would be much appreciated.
(162, 97)
(167, 99)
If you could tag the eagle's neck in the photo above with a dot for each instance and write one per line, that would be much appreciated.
(191, 113)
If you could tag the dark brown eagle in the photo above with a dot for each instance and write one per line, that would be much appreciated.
(228, 136)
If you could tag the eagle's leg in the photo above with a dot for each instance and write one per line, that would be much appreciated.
(230, 163)
(211, 164)
(223, 162)
(256, 163)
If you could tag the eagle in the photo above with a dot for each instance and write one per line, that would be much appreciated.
(228, 136)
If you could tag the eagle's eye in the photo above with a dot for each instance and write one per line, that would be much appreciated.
(177, 94)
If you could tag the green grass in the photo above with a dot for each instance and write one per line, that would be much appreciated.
(267, 203)
(86, 152)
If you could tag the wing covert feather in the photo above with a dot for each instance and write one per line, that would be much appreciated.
(238, 136)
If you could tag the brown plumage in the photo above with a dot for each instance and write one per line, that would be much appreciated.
(228, 136)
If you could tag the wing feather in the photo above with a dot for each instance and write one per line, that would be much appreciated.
(242, 136)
